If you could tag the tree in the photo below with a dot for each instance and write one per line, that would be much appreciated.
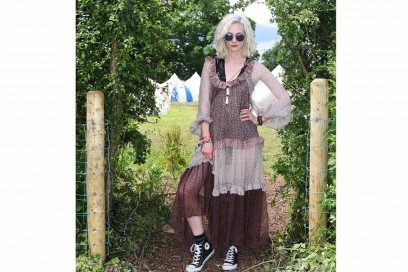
(307, 51)
(192, 29)
(117, 53)
(192, 33)
(270, 57)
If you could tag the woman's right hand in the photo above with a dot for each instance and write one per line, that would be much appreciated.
(208, 151)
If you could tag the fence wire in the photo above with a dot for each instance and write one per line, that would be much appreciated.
(307, 178)
(82, 245)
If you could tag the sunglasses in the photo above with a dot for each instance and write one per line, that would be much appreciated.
(239, 37)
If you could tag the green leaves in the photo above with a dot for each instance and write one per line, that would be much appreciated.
(270, 58)
(307, 51)
(191, 33)
(311, 259)
(118, 52)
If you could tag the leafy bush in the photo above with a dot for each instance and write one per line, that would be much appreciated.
(316, 259)
(173, 150)
(87, 263)
(301, 258)
(140, 207)
(139, 210)
(140, 143)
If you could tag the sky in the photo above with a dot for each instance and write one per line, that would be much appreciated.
(266, 33)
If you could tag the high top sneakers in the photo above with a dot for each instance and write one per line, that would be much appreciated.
(231, 259)
(202, 253)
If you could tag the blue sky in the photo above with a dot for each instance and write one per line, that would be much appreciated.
(266, 37)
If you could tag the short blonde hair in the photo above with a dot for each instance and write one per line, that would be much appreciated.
(249, 48)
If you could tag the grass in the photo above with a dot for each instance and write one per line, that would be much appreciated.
(183, 114)
(180, 114)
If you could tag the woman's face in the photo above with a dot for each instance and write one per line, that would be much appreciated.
(234, 45)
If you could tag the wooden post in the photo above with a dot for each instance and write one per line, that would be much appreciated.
(95, 181)
(319, 114)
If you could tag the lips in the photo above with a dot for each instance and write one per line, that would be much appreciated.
(234, 45)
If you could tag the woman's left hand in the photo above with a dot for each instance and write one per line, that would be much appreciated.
(246, 115)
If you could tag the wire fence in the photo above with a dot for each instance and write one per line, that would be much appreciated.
(82, 244)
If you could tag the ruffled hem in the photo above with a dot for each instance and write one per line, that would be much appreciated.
(237, 143)
(230, 219)
(237, 170)
(238, 189)
(198, 159)
(215, 81)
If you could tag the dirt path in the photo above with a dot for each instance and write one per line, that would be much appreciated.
(171, 257)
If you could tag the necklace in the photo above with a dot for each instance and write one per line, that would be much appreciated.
(228, 86)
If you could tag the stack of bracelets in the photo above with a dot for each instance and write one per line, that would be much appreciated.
(260, 122)
(203, 140)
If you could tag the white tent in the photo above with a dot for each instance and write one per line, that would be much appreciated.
(193, 83)
(181, 93)
(162, 99)
(262, 96)
(278, 73)
(178, 90)
(161, 96)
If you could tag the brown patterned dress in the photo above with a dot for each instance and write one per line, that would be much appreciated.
(229, 191)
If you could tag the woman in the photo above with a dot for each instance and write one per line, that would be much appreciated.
(224, 183)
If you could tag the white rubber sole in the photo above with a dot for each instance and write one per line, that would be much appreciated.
(229, 267)
(195, 269)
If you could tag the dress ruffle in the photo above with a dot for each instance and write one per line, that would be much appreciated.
(216, 82)
(238, 170)
(236, 143)
(231, 219)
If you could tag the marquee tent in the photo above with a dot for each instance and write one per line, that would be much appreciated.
(262, 96)
(181, 93)
(161, 96)
(278, 72)
(178, 90)
(162, 100)
(193, 83)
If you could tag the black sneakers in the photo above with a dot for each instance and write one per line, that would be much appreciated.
(202, 253)
(231, 259)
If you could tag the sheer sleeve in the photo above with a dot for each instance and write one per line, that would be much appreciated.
(278, 111)
(203, 113)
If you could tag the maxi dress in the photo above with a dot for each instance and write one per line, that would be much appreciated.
(229, 191)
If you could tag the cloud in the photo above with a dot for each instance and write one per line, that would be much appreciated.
(257, 12)
(266, 37)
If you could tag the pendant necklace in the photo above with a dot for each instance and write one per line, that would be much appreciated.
(228, 86)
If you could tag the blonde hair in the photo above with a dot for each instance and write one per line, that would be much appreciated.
(249, 48)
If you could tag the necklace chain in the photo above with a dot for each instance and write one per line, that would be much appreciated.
(232, 78)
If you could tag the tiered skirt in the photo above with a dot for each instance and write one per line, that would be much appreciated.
(229, 219)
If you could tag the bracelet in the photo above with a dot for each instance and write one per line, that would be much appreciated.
(205, 137)
(260, 122)
(201, 142)
(205, 141)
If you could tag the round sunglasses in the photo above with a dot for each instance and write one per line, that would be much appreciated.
(239, 37)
